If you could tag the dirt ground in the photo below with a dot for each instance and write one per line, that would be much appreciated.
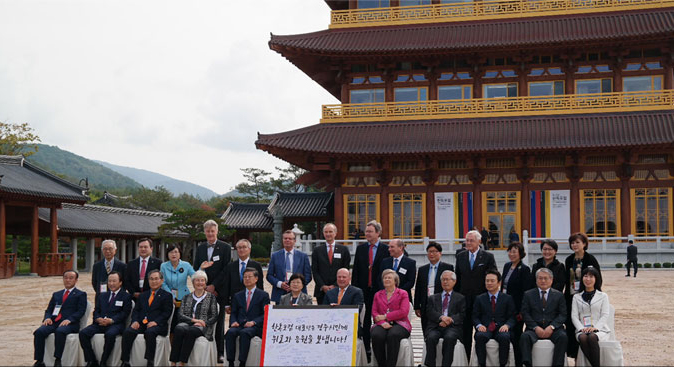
(643, 320)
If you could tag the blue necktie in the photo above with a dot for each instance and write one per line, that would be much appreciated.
(395, 265)
(243, 267)
(472, 260)
(288, 268)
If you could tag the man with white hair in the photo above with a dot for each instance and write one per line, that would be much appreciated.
(326, 259)
(101, 269)
(471, 269)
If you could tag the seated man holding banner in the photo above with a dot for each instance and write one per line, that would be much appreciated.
(247, 317)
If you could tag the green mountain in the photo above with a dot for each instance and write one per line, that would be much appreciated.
(74, 168)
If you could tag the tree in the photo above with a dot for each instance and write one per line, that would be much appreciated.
(158, 199)
(16, 139)
(191, 222)
(287, 179)
(257, 184)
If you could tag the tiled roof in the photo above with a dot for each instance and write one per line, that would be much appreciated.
(248, 216)
(303, 204)
(18, 176)
(536, 133)
(104, 220)
(529, 32)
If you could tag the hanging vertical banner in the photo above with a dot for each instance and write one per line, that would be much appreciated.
(463, 213)
(550, 213)
(444, 215)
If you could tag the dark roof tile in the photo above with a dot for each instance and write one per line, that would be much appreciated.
(21, 177)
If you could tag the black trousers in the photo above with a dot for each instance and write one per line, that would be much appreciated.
(150, 335)
(109, 334)
(368, 295)
(386, 343)
(60, 335)
(468, 326)
(244, 335)
(220, 328)
(632, 263)
(184, 337)
(449, 337)
(558, 338)
(516, 334)
(481, 339)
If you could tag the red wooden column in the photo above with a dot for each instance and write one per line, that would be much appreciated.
(53, 233)
(575, 206)
(3, 228)
(34, 240)
(625, 207)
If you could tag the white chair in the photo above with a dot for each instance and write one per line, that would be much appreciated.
(610, 351)
(492, 354)
(253, 352)
(361, 356)
(204, 352)
(162, 352)
(72, 352)
(460, 358)
(98, 343)
(542, 351)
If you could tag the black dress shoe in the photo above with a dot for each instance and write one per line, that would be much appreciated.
(125, 364)
(39, 364)
(150, 363)
(92, 364)
(57, 362)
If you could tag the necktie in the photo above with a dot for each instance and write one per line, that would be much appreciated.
(472, 260)
(369, 268)
(288, 267)
(544, 302)
(243, 267)
(108, 268)
(395, 265)
(330, 253)
(112, 298)
(248, 300)
(142, 270)
(492, 325)
(341, 294)
(65, 297)
(445, 304)
(149, 303)
(431, 276)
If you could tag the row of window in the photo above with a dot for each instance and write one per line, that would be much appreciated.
(599, 216)
(502, 90)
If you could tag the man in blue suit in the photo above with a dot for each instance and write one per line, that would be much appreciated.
(150, 318)
(284, 263)
(247, 318)
(112, 309)
(493, 317)
(62, 317)
(401, 264)
(344, 293)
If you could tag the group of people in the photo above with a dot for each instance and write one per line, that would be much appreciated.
(467, 301)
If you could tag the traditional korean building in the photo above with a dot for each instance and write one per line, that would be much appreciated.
(551, 116)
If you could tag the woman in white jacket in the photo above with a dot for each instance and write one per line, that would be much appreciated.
(590, 314)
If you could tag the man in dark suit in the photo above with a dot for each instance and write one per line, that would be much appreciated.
(493, 317)
(471, 268)
(247, 318)
(62, 317)
(428, 281)
(402, 264)
(446, 311)
(213, 256)
(544, 313)
(135, 275)
(367, 273)
(631, 258)
(326, 259)
(284, 263)
(112, 309)
(101, 269)
(150, 317)
(235, 271)
(344, 293)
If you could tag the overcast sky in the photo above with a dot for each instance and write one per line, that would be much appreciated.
(175, 87)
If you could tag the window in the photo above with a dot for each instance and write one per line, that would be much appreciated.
(652, 211)
(589, 86)
(358, 210)
(408, 215)
(369, 4)
(410, 78)
(371, 79)
(414, 2)
(553, 88)
(446, 92)
(367, 95)
(411, 94)
(642, 83)
(600, 212)
(500, 90)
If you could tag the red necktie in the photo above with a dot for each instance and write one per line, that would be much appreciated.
(445, 304)
(492, 325)
(142, 270)
(248, 300)
(369, 269)
(330, 253)
(65, 297)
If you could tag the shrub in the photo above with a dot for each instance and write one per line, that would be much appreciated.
(640, 265)
(647, 265)
(657, 265)
(264, 261)
(667, 265)
(618, 265)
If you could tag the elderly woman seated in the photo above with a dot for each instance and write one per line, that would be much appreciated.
(197, 317)
(390, 308)
(296, 297)
(590, 315)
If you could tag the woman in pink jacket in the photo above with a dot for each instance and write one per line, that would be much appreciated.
(390, 308)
